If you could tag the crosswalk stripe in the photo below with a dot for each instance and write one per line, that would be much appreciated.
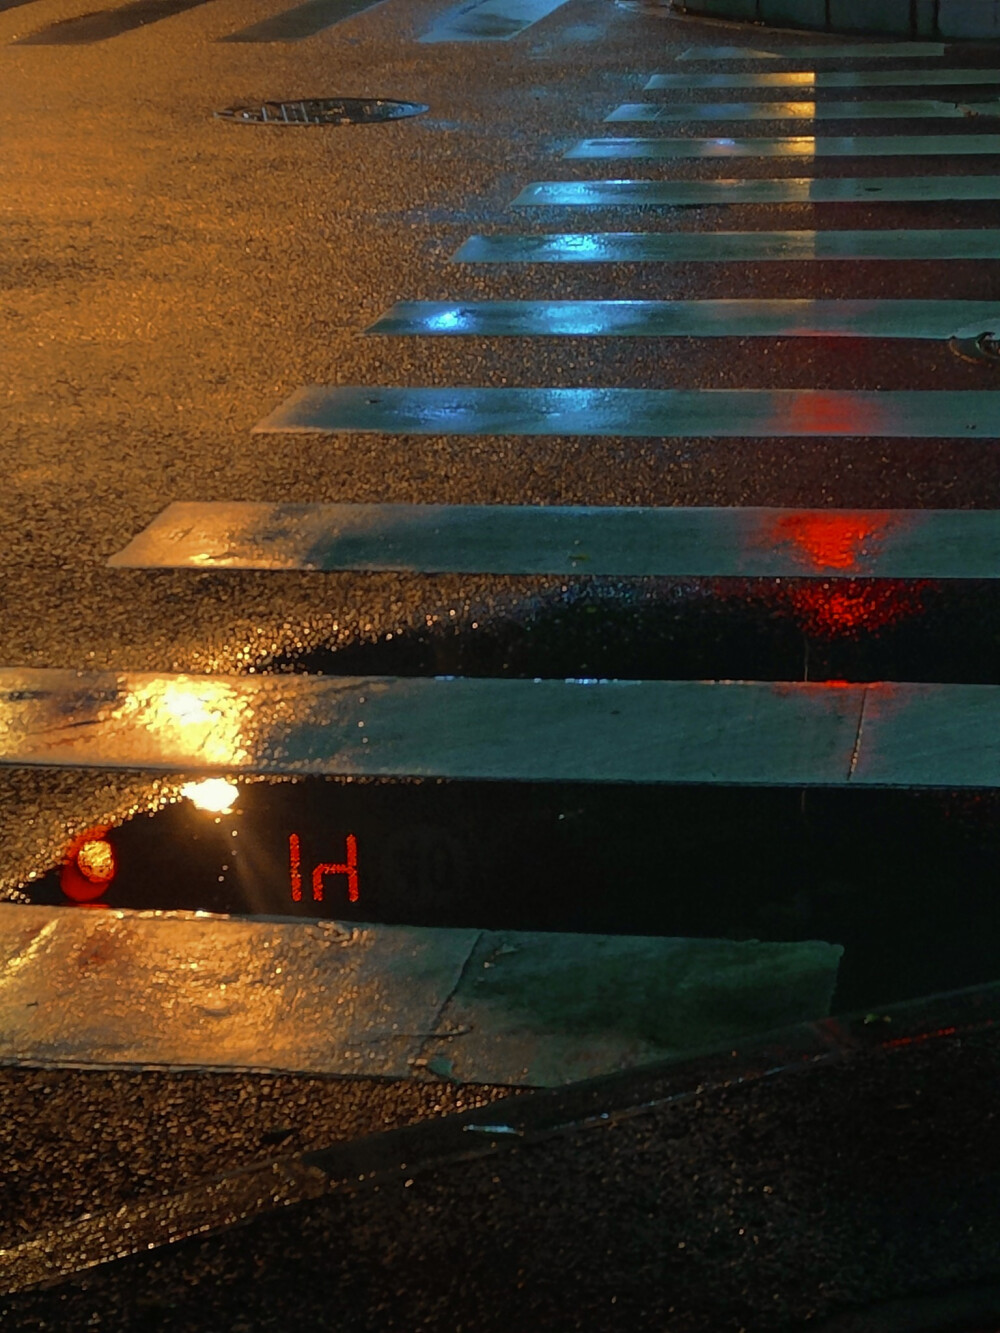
(489, 20)
(100, 25)
(692, 319)
(898, 110)
(304, 20)
(809, 79)
(555, 539)
(745, 733)
(803, 145)
(315, 1000)
(827, 51)
(795, 190)
(633, 247)
(640, 413)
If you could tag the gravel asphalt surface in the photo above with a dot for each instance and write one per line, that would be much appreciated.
(166, 280)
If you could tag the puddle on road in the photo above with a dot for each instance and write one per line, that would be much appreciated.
(709, 629)
(905, 881)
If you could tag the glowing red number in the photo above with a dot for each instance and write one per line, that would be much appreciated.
(348, 867)
(295, 866)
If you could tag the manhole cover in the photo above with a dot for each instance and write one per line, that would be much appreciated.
(985, 347)
(323, 111)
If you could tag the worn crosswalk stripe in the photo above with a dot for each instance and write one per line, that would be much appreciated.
(808, 79)
(571, 539)
(730, 318)
(642, 413)
(489, 20)
(640, 247)
(903, 109)
(99, 25)
(795, 190)
(825, 51)
(802, 145)
(304, 20)
(746, 733)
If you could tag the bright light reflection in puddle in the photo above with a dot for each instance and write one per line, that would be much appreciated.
(217, 795)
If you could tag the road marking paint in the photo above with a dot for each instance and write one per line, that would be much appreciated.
(903, 109)
(795, 190)
(740, 733)
(726, 318)
(808, 79)
(303, 21)
(489, 20)
(803, 145)
(313, 1000)
(571, 539)
(631, 247)
(827, 51)
(643, 413)
(100, 25)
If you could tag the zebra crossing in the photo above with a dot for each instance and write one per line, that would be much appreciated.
(599, 730)
(471, 21)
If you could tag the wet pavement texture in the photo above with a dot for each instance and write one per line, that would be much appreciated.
(170, 280)
(768, 1203)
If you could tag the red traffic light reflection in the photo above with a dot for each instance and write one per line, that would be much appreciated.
(88, 865)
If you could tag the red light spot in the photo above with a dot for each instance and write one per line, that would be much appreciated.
(820, 413)
(295, 866)
(834, 541)
(853, 608)
(88, 865)
(348, 868)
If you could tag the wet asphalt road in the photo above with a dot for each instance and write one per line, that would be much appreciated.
(784, 1203)
(167, 279)
(170, 278)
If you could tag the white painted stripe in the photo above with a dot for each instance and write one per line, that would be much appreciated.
(808, 79)
(826, 51)
(690, 732)
(374, 1001)
(794, 190)
(645, 413)
(936, 320)
(902, 109)
(800, 145)
(489, 20)
(639, 247)
(572, 539)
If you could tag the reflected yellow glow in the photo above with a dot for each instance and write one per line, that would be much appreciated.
(807, 79)
(97, 861)
(215, 794)
(202, 717)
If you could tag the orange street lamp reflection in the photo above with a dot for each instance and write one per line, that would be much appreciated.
(217, 795)
(203, 717)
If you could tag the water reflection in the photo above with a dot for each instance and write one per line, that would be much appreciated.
(894, 877)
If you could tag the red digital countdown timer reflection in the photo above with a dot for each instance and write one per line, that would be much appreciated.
(347, 867)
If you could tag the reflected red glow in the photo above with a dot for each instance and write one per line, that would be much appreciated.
(920, 1036)
(819, 413)
(833, 541)
(88, 865)
(295, 866)
(348, 867)
(853, 608)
